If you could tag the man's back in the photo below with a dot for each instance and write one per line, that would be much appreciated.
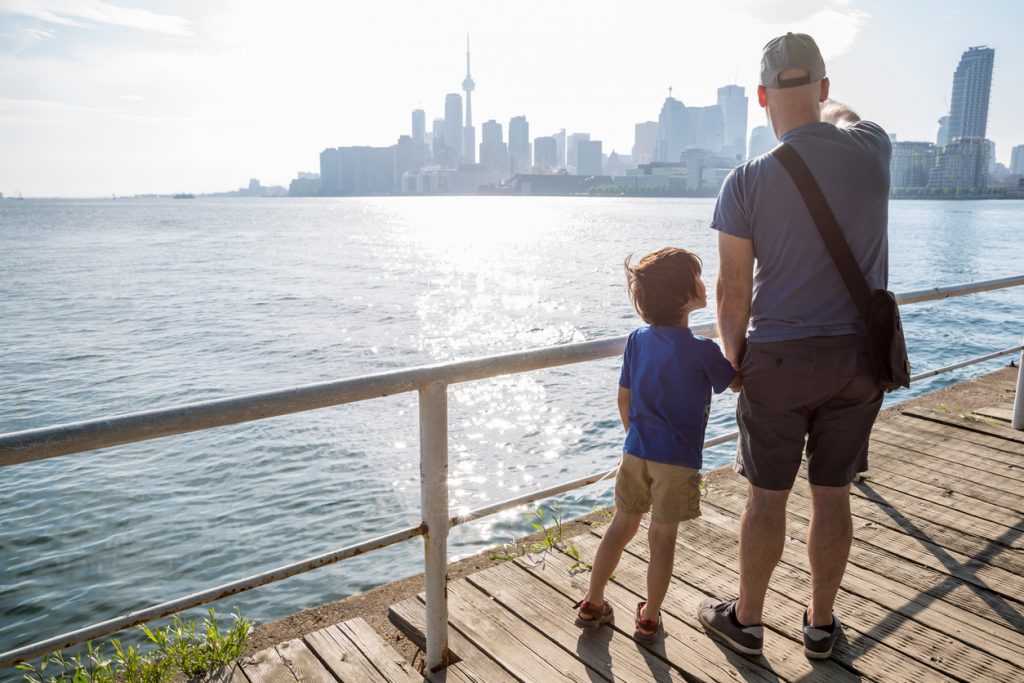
(798, 292)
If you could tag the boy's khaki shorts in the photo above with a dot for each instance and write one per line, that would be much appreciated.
(670, 492)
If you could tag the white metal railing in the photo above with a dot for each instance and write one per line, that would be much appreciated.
(431, 383)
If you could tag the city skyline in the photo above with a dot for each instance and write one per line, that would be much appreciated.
(212, 100)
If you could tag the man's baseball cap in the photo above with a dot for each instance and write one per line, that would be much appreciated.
(791, 51)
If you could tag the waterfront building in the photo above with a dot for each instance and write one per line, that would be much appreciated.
(545, 154)
(911, 164)
(732, 101)
(453, 133)
(645, 141)
(437, 144)
(304, 185)
(1017, 160)
(961, 166)
(674, 133)
(469, 133)
(419, 126)
(560, 147)
(972, 84)
(942, 137)
(762, 141)
(589, 157)
(493, 150)
(572, 150)
(617, 164)
(355, 171)
(519, 144)
(708, 127)
(409, 156)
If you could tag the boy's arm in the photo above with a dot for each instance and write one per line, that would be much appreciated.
(624, 407)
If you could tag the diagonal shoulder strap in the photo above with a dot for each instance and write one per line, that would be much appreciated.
(823, 217)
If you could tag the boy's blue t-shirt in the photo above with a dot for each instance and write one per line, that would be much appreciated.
(670, 374)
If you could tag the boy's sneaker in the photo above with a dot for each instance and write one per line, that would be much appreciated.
(819, 641)
(719, 619)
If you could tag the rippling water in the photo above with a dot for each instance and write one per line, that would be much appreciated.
(115, 306)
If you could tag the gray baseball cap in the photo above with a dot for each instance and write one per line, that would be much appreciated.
(791, 51)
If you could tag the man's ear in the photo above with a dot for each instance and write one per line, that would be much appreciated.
(762, 96)
(824, 89)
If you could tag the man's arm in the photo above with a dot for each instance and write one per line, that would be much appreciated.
(734, 294)
(838, 114)
(624, 407)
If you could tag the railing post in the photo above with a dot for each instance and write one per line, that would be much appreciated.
(1018, 401)
(434, 508)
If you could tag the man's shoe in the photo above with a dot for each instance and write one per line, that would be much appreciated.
(719, 619)
(818, 641)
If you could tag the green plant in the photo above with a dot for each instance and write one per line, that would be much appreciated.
(178, 649)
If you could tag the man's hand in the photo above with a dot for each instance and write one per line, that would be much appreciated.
(838, 114)
(735, 291)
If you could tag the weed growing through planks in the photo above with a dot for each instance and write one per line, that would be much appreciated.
(179, 650)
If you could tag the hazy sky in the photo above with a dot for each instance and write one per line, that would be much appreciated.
(100, 97)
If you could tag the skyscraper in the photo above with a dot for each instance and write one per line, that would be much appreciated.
(674, 130)
(762, 140)
(437, 144)
(545, 151)
(1017, 160)
(559, 148)
(453, 135)
(469, 135)
(572, 149)
(588, 157)
(493, 151)
(942, 137)
(733, 103)
(519, 144)
(972, 83)
(645, 140)
(419, 126)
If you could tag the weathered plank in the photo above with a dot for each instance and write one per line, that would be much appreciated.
(269, 666)
(996, 413)
(475, 666)
(967, 479)
(232, 673)
(686, 645)
(932, 432)
(391, 665)
(958, 454)
(510, 641)
(976, 425)
(897, 585)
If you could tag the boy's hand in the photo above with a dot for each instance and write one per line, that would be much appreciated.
(737, 383)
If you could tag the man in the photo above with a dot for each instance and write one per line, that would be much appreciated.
(804, 365)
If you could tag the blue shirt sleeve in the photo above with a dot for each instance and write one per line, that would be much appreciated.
(624, 375)
(731, 216)
(720, 372)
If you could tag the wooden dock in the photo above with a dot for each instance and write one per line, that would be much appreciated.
(934, 590)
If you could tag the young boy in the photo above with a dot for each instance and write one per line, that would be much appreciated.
(664, 400)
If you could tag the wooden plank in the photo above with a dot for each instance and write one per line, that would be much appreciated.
(938, 511)
(933, 433)
(877, 637)
(996, 413)
(963, 504)
(686, 646)
(267, 666)
(854, 653)
(880, 568)
(948, 454)
(973, 488)
(391, 665)
(975, 425)
(474, 665)
(511, 642)
(342, 657)
(958, 475)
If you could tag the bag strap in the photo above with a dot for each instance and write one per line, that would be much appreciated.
(825, 220)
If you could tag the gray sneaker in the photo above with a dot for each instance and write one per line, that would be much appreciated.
(719, 619)
(818, 642)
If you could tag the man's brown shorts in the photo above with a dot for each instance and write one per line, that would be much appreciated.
(670, 492)
(819, 388)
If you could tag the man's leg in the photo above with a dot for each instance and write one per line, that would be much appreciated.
(762, 538)
(828, 547)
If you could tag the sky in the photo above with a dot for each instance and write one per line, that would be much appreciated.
(102, 97)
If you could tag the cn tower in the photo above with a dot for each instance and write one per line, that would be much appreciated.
(469, 133)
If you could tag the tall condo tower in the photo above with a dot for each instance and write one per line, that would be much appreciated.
(469, 144)
(972, 83)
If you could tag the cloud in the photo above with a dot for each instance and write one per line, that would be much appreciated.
(26, 37)
(80, 13)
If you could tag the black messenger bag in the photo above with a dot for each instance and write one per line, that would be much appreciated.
(886, 344)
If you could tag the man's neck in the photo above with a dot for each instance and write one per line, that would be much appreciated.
(787, 123)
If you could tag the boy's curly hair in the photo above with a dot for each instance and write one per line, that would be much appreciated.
(662, 283)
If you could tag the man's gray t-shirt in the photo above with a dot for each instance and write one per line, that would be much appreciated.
(798, 292)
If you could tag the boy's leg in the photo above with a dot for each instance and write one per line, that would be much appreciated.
(661, 536)
(620, 532)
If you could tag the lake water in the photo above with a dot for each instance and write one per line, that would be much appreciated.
(109, 307)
